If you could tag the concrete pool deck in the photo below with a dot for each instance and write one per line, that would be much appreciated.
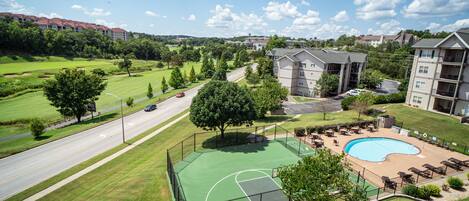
(394, 163)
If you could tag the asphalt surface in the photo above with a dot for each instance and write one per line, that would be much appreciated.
(388, 87)
(25, 169)
(312, 107)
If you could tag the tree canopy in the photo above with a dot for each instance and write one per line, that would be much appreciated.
(176, 80)
(276, 42)
(371, 78)
(269, 96)
(220, 104)
(363, 102)
(327, 84)
(72, 90)
(125, 64)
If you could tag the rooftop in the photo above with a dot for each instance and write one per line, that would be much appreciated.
(326, 56)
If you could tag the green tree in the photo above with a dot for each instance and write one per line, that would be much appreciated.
(125, 64)
(176, 80)
(72, 90)
(99, 72)
(371, 79)
(327, 83)
(129, 102)
(160, 65)
(276, 42)
(251, 77)
(363, 102)
(220, 104)
(243, 56)
(149, 91)
(237, 61)
(265, 67)
(222, 64)
(269, 96)
(313, 178)
(219, 75)
(164, 86)
(192, 76)
(37, 127)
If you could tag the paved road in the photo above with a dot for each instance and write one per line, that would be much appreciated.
(312, 107)
(388, 87)
(25, 169)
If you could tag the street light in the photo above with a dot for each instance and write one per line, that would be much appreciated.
(122, 115)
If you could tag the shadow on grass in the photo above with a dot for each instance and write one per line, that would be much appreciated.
(43, 137)
(98, 119)
(274, 119)
(243, 142)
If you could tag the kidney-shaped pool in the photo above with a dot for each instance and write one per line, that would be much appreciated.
(375, 149)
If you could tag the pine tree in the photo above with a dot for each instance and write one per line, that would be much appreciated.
(184, 76)
(192, 77)
(150, 91)
(237, 61)
(164, 86)
(205, 65)
(222, 64)
(176, 80)
(210, 68)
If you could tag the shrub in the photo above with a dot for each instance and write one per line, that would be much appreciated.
(99, 72)
(320, 130)
(411, 190)
(200, 77)
(37, 127)
(467, 175)
(129, 101)
(455, 183)
(159, 65)
(310, 129)
(299, 131)
(390, 98)
(347, 102)
(433, 190)
(424, 193)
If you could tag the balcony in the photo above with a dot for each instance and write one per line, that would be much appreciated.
(453, 57)
(442, 105)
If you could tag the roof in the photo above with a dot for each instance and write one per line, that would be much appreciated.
(325, 56)
(427, 43)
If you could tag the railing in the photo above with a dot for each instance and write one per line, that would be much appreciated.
(443, 93)
(447, 76)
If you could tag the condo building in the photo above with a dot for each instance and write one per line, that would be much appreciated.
(439, 81)
(300, 69)
(64, 24)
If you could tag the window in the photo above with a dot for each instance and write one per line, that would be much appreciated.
(423, 69)
(313, 65)
(300, 83)
(417, 99)
(427, 53)
(419, 84)
(302, 74)
(303, 65)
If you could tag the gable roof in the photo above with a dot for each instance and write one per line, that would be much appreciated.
(462, 35)
(427, 43)
(324, 56)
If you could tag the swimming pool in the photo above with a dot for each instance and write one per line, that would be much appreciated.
(375, 149)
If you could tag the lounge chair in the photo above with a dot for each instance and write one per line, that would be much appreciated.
(388, 182)
(423, 173)
(452, 165)
(438, 170)
(459, 162)
(336, 142)
(406, 177)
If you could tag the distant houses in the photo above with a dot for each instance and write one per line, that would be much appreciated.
(64, 24)
(439, 81)
(402, 38)
(300, 69)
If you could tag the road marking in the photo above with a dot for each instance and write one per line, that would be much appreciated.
(100, 163)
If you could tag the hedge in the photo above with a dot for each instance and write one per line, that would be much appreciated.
(299, 131)
(379, 99)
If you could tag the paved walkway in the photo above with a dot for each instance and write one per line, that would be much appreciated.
(453, 194)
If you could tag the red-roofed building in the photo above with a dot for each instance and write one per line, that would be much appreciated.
(64, 24)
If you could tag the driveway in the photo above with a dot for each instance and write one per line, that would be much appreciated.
(388, 87)
(312, 107)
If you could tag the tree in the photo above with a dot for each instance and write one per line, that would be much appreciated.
(276, 42)
(207, 68)
(251, 77)
(243, 56)
(164, 86)
(363, 102)
(160, 65)
(192, 76)
(324, 107)
(219, 75)
(269, 96)
(265, 67)
(37, 127)
(220, 104)
(167, 56)
(149, 91)
(313, 178)
(371, 79)
(129, 102)
(237, 61)
(222, 64)
(125, 64)
(327, 83)
(176, 80)
(99, 72)
(72, 90)
(177, 60)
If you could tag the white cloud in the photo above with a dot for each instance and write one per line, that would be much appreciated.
(95, 12)
(433, 26)
(191, 17)
(375, 9)
(14, 7)
(278, 11)
(109, 24)
(151, 25)
(462, 23)
(239, 24)
(386, 28)
(432, 8)
(51, 15)
(322, 31)
(311, 18)
(341, 16)
(151, 13)
(305, 2)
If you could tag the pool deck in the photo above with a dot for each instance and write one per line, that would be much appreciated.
(394, 163)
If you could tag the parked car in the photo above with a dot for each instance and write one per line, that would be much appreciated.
(150, 108)
(180, 95)
(353, 92)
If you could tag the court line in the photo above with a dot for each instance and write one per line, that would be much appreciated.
(253, 179)
(211, 189)
(237, 182)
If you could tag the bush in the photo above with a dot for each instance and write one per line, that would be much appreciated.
(467, 175)
(159, 65)
(310, 129)
(390, 98)
(99, 72)
(411, 190)
(37, 127)
(299, 131)
(455, 183)
(347, 102)
(200, 77)
(433, 190)
(424, 193)
(129, 101)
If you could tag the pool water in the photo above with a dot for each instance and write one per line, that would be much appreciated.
(376, 149)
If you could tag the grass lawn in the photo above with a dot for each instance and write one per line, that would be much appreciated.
(30, 104)
(140, 174)
(439, 125)
(28, 58)
(302, 99)
(397, 198)
(55, 65)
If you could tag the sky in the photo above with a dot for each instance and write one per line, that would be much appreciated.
(225, 18)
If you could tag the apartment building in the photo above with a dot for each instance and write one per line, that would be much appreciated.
(402, 38)
(439, 80)
(64, 24)
(300, 69)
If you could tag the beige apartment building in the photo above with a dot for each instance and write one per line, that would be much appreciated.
(300, 69)
(439, 81)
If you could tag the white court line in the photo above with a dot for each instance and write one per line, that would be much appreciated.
(253, 179)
